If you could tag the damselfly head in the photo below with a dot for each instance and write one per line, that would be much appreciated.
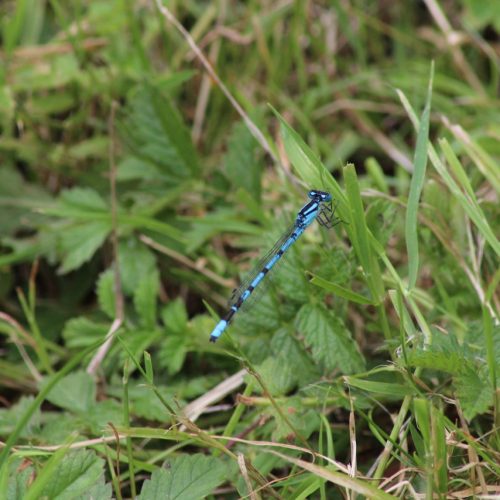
(322, 196)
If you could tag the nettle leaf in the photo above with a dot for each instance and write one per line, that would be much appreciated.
(444, 354)
(450, 362)
(82, 332)
(78, 475)
(288, 366)
(82, 198)
(173, 353)
(474, 390)
(155, 132)
(278, 375)
(136, 261)
(331, 342)
(303, 421)
(146, 404)
(174, 316)
(188, 477)
(132, 168)
(75, 392)
(240, 164)
(79, 243)
(106, 292)
(145, 298)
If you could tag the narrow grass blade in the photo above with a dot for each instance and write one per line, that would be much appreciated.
(360, 235)
(343, 480)
(468, 198)
(475, 215)
(340, 290)
(416, 186)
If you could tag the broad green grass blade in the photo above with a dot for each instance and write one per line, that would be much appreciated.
(416, 186)
(384, 388)
(360, 235)
(307, 164)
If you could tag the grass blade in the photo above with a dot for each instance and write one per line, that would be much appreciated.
(416, 186)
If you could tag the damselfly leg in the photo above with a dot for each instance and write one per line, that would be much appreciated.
(326, 216)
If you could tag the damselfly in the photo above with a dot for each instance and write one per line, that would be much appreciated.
(318, 208)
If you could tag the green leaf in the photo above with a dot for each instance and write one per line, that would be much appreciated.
(95, 147)
(79, 243)
(106, 292)
(188, 477)
(474, 391)
(156, 134)
(173, 353)
(339, 290)
(416, 186)
(136, 261)
(240, 163)
(174, 317)
(331, 342)
(384, 388)
(278, 375)
(145, 298)
(75, 475)
(82, 332)
(9, 417)
(146, 405)
(83, 199)
(76, 392)
(360, 235)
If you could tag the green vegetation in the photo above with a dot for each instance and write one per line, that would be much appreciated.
(138, 184)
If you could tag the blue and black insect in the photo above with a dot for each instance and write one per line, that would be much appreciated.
(318, 208)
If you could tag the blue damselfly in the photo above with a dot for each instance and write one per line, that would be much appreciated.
(318, 208)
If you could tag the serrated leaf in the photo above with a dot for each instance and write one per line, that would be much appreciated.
(188, 477)
(287, 366)
(145, 298)
(75, 392)
(298, 421)
(75, 475)
(173, 353)
(145, 404)
(278, 376)
(156, 133)
(474, 391)
(136, 261)
(82, 198)
(82, 332)
(331, 342)
(79, 243)
(174, 317)
(240, 163)
(106, 292)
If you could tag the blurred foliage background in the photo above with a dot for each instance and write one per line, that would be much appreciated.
(136, 189)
